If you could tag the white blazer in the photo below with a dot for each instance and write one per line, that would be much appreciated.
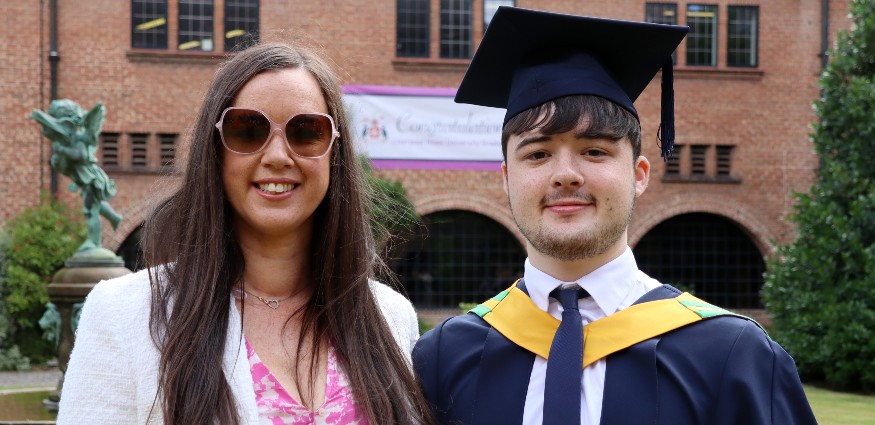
(112, 377)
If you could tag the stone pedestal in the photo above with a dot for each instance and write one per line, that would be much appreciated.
(70, 286)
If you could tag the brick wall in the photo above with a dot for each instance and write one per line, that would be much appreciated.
(22, 55)
(764, 112)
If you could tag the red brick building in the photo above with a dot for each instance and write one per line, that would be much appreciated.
(745, 79)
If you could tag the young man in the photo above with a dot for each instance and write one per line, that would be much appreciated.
(572, 173)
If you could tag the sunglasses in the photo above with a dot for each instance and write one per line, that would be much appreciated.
(246, 131)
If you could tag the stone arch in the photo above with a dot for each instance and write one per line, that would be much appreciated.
(756, 230)
(496, 211)
(707, 254)
(134, 214)
(131, 250)
(457, 255)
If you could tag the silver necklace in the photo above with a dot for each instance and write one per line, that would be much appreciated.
(272, 303)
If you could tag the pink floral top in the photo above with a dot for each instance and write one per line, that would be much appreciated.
(276, 406)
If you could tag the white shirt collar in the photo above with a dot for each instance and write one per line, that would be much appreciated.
(609, 285)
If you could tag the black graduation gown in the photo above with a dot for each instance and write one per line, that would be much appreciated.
(720, 371)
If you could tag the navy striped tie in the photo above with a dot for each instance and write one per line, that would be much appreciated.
(565, 365)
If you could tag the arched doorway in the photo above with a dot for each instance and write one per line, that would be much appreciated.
(707, 255)
(132, 251)
(457, 256)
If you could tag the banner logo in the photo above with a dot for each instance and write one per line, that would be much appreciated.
(374, 130)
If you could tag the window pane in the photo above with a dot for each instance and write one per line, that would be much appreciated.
(411, 29)
(743, 30)
(196, 25)
(241, 23)
(662, 13)
(149, 24)
(702, 39)
(490, 7)
(456, 28)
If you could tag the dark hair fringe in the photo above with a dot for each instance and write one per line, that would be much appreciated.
(603, 118)
(194, 260)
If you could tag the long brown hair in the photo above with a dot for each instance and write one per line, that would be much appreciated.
(191, 244)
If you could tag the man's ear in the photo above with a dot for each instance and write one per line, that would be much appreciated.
(504, 176)
(642, 175)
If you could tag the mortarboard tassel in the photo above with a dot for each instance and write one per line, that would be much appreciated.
(665, 134)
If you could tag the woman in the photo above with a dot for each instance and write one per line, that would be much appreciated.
(257, 306)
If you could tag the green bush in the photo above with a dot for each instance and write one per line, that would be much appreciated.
(391, 212)
(424, 326)
(12, 359)
(34, 246)
(465, 307)
(820, 289)
(10, 355)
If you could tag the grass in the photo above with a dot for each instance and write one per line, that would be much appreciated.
(835, 408)
(25, 406)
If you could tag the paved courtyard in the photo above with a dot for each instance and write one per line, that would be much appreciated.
(37, 378)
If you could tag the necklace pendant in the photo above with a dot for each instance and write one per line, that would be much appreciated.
(274, 304)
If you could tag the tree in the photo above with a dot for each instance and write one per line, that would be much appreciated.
(821, 288)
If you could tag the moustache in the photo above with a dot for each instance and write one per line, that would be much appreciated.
(559, 195)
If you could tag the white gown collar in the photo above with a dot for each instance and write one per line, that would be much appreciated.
(608, 285)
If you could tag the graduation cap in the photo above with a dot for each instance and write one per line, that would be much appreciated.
(528, 57)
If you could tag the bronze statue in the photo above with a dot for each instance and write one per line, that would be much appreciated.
(73, 133)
